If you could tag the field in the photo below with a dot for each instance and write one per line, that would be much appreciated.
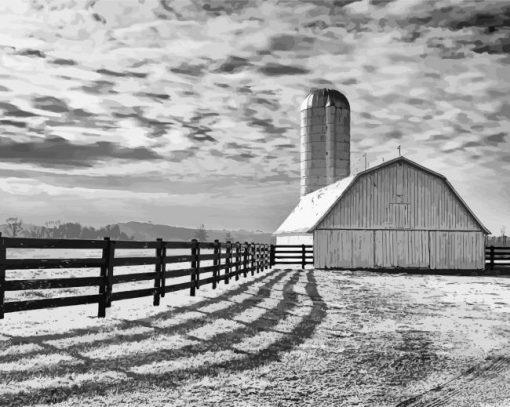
(283, 337)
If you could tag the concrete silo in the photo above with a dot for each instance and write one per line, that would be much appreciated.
(325, 139)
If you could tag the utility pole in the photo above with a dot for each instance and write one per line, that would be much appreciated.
(398, 148)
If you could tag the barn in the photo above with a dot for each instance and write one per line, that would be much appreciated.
(395, 215)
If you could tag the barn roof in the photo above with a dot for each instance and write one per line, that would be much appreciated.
(315, 206)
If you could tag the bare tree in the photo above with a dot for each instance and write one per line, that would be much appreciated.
(14, 225)
(52, 228)
(201, 234)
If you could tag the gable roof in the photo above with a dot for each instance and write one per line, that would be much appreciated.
(312, 207)
(315, 206)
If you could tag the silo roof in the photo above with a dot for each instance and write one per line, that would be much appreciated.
(324, 98)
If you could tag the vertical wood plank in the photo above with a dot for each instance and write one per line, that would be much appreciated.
(238, 259)
(101, 312)
(3, 256)
(245, 259)
(197, 273)
(271, 256)
(216, 262)
(163, 268)
(157, 274)
(194, 245)
(228, 261)
(253, 259)
(303, 257)
(109, 272)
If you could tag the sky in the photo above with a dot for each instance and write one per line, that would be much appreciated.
(186, 112)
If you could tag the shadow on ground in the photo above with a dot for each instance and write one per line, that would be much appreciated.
(291, 294)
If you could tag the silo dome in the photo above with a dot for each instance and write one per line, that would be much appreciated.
(325, 97)
(325, 139)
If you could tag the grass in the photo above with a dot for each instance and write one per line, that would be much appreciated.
(283, 337)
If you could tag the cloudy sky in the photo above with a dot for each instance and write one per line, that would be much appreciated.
(187, 112)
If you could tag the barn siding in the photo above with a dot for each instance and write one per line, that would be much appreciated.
(344, 249)
(401, 248)
(303, 238)
(411, 199)
(457, 250)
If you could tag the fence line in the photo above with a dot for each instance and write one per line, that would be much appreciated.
(501, 254)
(239, 259)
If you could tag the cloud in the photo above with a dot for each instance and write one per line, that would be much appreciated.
(59, 152)
(233, 64)
(275, 69)
(51, 104)
(189, 69)
(63, 61)
(14, 111)
(109, 72)
(21, 125)
(212, 90)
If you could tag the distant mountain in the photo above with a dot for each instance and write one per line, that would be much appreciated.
(150, 231)
(137, 231)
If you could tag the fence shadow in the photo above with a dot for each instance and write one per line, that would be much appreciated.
(194, 347)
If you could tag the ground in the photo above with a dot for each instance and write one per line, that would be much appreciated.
(280, 338)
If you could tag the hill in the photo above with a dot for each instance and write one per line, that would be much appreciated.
(150, 231)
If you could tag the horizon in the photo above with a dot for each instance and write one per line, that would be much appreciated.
(115, 111)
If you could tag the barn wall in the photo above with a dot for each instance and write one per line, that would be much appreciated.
(401, 248)
(343, 249)
(457, 250)
(400, 196)
(304, 238)
(414, 249)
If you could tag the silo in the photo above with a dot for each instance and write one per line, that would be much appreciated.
(325, 139)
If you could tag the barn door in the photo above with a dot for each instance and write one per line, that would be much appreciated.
(399, 214)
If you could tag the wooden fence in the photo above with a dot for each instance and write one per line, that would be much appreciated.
(292, 254)
(497, 257)
(229, 260)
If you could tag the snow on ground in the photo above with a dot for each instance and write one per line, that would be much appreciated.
(279, 338)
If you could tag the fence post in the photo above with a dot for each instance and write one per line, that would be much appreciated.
(194, 245)
(103, 273)
(216, 262)
(2, 275)
(492, 258)
(238, 259)
(109, 272)
(157, 274)
(245, 259)
(259, 257)
(303, 256)
(197, 275)
(163, 268)
(271, 256)
(253, 259)
(228, 261)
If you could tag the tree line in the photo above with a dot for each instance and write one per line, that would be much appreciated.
(63, 230)
(56, 229)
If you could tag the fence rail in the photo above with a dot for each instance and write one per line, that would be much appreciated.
(292, 254)
(497, 257)
(229, 261)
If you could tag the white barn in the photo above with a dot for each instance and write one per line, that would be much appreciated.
(395, 215)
